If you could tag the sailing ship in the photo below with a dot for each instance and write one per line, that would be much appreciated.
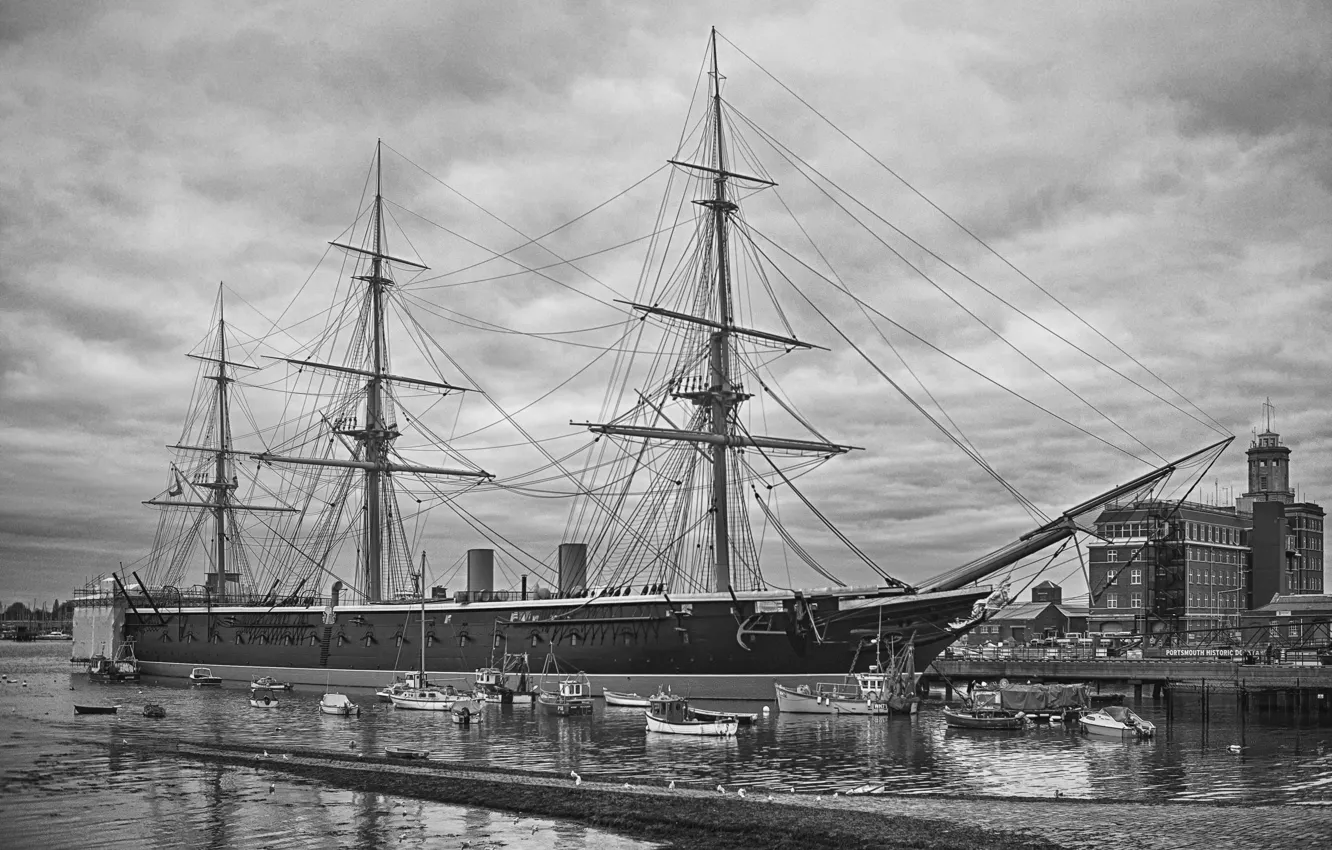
(660, 578)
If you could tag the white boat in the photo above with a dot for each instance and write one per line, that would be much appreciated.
(399, 686)
(428, 698)
(884, 689)
(624, 700)
(1117, 721)
(262, 698)
(339, 704)
(203, 676)
(465, 711)
(743, 718)
(670, 713)
(270, 683)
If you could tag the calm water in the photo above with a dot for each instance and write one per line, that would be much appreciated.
(50, 785)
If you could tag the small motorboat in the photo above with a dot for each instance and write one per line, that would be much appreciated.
(94, 709)
(270, 683)
(154, 710)
(1117, 721)
(670, 713)
(395, 752)
(711, 714)
(262, 698)
(339, 704)
(623, 700)
(465, 711)
(203, 676)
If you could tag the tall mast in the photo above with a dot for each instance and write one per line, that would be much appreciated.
(720, 391)
(221, 485)
(720, 397)
(376, 437)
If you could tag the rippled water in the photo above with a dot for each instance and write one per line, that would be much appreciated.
(1282, 759)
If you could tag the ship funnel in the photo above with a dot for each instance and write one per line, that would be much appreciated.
(480, 570)
(573, 568)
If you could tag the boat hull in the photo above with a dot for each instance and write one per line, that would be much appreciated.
(563, 707)
(794, 701)
(706, 728)
(697, 642)
(623, 700)
(94, 709)
(963, 720)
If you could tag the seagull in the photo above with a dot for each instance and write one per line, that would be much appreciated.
(672, 785)
(818, 799)
(265, 753)
(1234, 748)
(1058, 793)
(626, 785)
(535, 828)
(741, 792)
(124, 741)
(721, 789)
(286, 757)
(515, 821)
(578, 780)
(769, 798)
(352, 745)
(271, 787)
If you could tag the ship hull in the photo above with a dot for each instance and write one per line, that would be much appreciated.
(720, 646)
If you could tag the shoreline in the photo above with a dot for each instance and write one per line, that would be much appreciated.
(681, 818)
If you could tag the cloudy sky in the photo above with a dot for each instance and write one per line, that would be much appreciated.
(1164, 170)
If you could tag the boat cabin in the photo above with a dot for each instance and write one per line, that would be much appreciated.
(491, 677)
(669, 707)
(575, 689)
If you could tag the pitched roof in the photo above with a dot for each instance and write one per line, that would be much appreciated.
(1021, 611)
(1310, 602)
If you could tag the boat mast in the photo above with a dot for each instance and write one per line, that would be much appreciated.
(222, 487)
(422, 585)
(375, 437)
(721, 395)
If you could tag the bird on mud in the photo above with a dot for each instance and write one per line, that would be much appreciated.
(286, 757)
(271, 787)
(721, 789)
(578, 780)
(1235, 748)
(672, 785)
(741, 792)
(265, 753)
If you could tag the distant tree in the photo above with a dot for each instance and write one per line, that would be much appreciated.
(65, 610)
(17, 611)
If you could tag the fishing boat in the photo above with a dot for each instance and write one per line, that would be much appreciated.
(663, 571)
(670, 714)
(492, 683)
(399, 686)
(270, 683)
(262, 698)
(396, 752)
(985, 710)
(94, 709)
(882, 690)
(623, 700)
(570, 696)
(154, 710)
(338, 704)
(122, 667)
(203, 677)
(1116, 721)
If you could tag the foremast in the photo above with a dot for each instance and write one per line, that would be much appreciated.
(373, 453)
(221, 503)
(723, 395)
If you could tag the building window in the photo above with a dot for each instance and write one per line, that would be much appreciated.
(1112, 600)
(1293, 631)
(1111, 555)
(1111, 578)
(1135, 576)
(1135, 600)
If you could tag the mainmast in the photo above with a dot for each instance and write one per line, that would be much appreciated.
(721, 396)
(375, 441)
